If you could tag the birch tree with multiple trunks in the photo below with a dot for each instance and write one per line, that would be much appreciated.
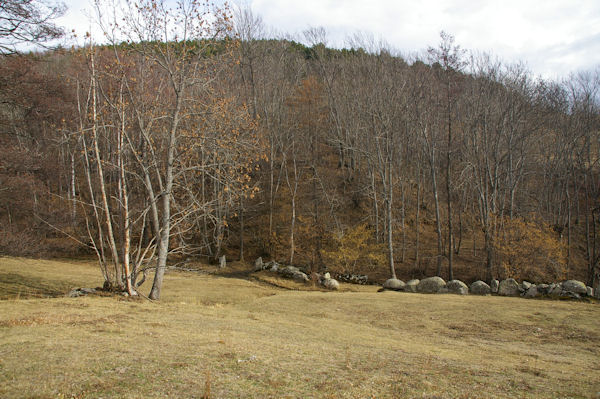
(178, 132)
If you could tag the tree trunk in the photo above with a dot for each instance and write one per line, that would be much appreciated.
(402, 223)
(271, 182)
(165, 231)
(241, 229)
(375, 207)
(108, 221)
(390, 241)
(293, 195)
(489, 255)
(568, 233)
(292, 246)
(438, 224)
(72, 191)
(125, 208)
(417, 220)
(448, 193)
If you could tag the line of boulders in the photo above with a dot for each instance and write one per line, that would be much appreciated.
(297, 274)
(353, 278)
(572, 289)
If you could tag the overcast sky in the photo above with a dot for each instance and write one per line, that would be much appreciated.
(553, 37)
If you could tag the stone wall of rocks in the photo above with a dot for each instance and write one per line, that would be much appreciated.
(297, 274)
(353, 278)
(570, 289)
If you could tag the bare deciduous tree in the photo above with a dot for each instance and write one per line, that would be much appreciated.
(28, 22)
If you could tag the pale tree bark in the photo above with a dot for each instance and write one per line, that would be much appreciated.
(171, 42)
(293, 187)
(449, 56)
(101, 181)
(124, 202)
(165, 231)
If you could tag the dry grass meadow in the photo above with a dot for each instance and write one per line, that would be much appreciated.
(231, 337)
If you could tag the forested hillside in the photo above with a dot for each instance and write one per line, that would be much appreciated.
(210, 140)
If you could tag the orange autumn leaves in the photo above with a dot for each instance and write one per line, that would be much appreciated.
(530, 250)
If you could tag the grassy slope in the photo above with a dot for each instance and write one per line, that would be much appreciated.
(246, 339)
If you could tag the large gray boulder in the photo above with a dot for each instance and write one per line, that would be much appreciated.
(300, 277)
(480, 288)
(543, 289)
(331, 284)
(411, 285)
(590, 292)
(494, 286)
(258, 264)
(394, 284)
(288, 271)
(457, 287)
(569, 294)
(508, 287)
(524, 286)
(574, 286)
(532, 292)
(555, 290)
(271, 266)
(431, 285)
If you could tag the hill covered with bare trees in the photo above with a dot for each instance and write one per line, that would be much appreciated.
(193, 136)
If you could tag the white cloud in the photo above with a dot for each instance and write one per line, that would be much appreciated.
(553, 37)
(80, 17)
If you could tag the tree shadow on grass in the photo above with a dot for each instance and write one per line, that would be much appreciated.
(14, 285)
